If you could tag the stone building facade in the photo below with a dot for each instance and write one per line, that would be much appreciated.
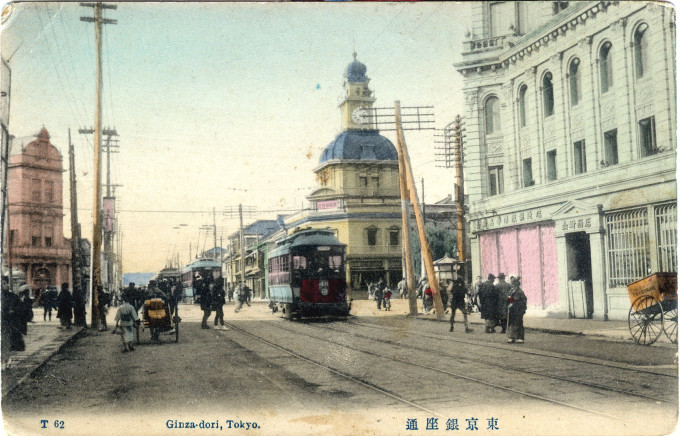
(570, 148)
(38, 246)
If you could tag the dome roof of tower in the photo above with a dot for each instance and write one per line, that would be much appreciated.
(359, 145)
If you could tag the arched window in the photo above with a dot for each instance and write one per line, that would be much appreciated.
(606, 74)
(523, 106)
(492, 115)
(548, 100)
(575, 81)
(641, 51)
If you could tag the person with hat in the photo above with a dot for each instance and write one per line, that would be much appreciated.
(504, 289)
(488, 300)
(458, 291)
(126, 319)
(517, 307)
(65, 307)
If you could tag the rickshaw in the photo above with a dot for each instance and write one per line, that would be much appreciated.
(654, 308)
(158, 320)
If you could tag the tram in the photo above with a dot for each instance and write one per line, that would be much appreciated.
(306, 275)
(199, 268)
(168, 273)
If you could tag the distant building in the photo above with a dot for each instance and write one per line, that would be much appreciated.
(570, 148)
(252, 271)
(38, 246)
(358, 194)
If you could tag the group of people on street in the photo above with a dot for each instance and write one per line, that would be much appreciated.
(503, 304)
(211, 296)
(381, 294)
(17, 313)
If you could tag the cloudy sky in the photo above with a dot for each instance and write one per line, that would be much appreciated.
(222, 104)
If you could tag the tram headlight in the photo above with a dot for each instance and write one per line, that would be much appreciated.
(296, 292)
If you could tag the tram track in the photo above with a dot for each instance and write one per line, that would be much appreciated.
(533, 352)
(394, 358)
(484, 362)
(342, 374)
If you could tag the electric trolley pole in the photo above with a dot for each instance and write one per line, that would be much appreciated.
(96, 225)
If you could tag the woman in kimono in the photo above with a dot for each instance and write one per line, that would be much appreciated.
(517, 307)
(126, 318)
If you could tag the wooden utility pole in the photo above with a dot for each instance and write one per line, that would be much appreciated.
(406, 240)
(460, 197)
(241, 243)
(75, 238)
(424, 244)
(96, 225)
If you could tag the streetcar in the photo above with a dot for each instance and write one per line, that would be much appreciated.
(168, 273)
(202, 268)
(306, 275)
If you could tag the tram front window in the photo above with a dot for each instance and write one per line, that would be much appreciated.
(321, 264)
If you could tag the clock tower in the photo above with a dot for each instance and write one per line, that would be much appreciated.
(358, 98)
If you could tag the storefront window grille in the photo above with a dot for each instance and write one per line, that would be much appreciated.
(667, 236)
(628, 247)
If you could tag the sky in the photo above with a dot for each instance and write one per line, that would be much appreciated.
(221, 104)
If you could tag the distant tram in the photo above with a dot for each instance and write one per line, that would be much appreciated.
(168, 273)
(202, 268)
(306, 275)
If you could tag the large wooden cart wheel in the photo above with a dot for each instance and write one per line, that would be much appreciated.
(645, 320)
(670, 321)
(176, 319)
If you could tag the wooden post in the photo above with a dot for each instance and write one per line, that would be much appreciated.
(424, 244)
(408, 260)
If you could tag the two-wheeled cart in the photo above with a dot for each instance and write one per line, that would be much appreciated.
(158, 320)
(654, 308)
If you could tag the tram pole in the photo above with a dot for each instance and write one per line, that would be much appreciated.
(406, 240)
(424, 244)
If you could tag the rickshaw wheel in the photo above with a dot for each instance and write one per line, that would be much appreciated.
(646, 324)
(670, 323)
(176, 329)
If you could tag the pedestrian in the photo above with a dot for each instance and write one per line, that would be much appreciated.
(13, 322)
(243, 297)
(402, 288)
(428, 300)
(474, 293)
(103, 299)
(218, 301)
(444, 295)
(379, 296)
(206, 303)
(175, 297)
(127, 319)
(488, 299)
(517, 307)
(49, 302)
(458, 291)
(26, 305)
(387, 296)
(504, 289)
(65, 307)
(230, 292)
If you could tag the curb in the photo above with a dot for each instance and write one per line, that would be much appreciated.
(46, 359)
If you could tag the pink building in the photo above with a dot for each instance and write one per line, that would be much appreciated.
(38, 246)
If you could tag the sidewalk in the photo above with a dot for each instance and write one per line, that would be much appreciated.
(533, 320)
(44, 339)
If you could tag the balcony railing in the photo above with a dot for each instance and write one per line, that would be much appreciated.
(486, 44)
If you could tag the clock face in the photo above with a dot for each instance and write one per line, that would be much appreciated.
(359, 115)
